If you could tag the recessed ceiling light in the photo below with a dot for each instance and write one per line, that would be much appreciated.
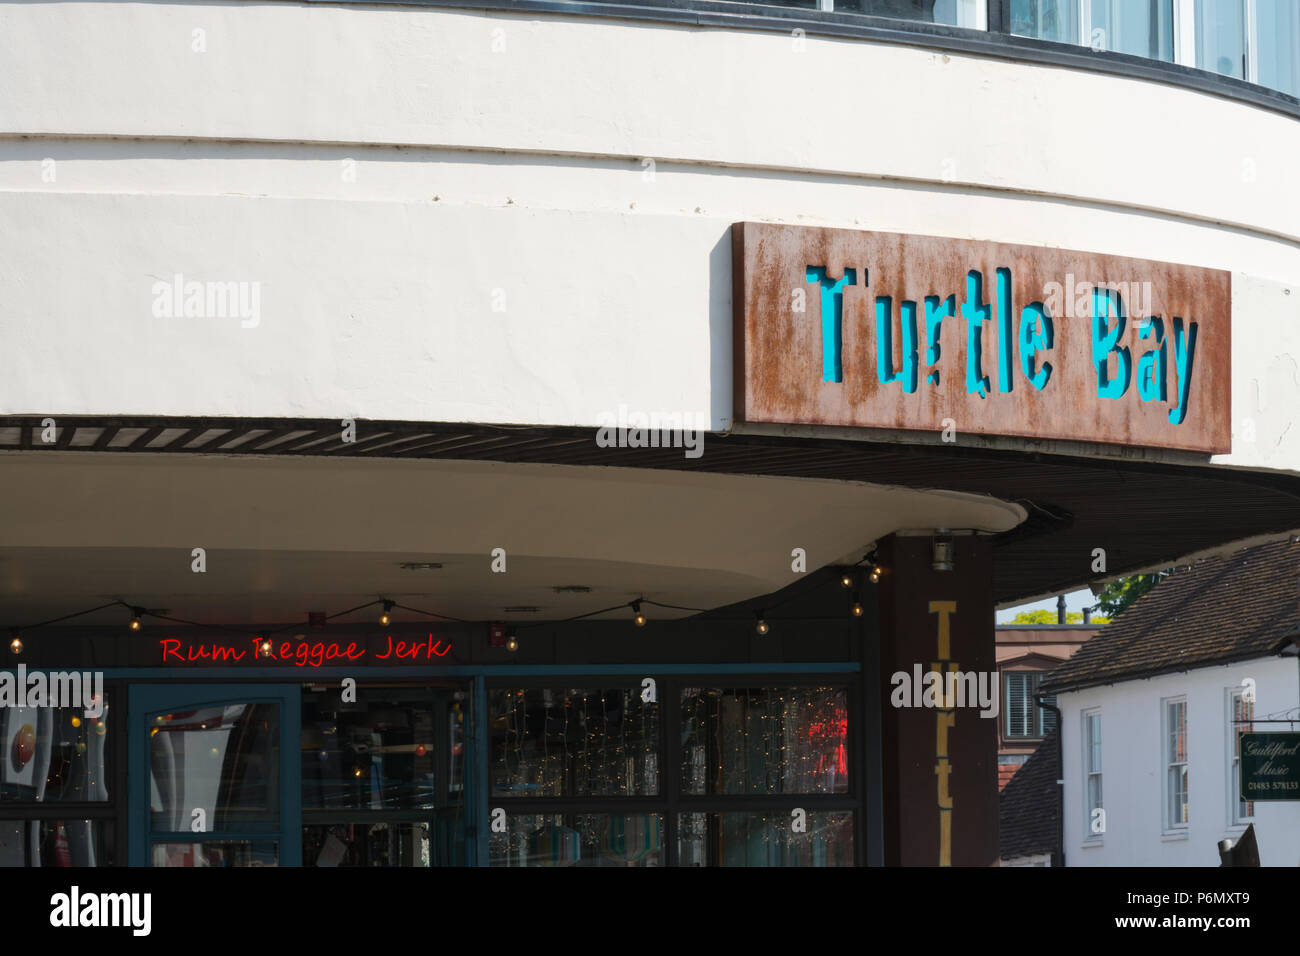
(419, 565)
(522, 609)
(571, 589)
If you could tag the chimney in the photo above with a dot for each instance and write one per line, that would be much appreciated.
(1060, 609)
(1087, 615)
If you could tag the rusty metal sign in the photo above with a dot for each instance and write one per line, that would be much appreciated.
(883, 330)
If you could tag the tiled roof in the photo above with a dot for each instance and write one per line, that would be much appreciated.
(1234, 607)
(1029, 806)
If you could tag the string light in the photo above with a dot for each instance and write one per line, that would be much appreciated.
(264, 646)
(761, 627)
(16, 644)
(136, 614)
(855, 608)
(385, 617)
(846, 580)
(512, 641)
(637, 617)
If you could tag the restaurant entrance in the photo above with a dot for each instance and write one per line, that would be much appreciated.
(214, 775)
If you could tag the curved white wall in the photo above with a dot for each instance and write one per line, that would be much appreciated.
(449, 215)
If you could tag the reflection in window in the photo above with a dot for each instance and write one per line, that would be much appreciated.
(1138, 27)
(53, 755)
(1278, 42)
(56, 843)
(222, 759)
(570, 743)
(1056, 20)
(234, 853)
(1221, 36)
(764, 740)
(1241, 722)
(387, 750)
(366, 844)
(953, 13)
(582, 839)
(763, 839)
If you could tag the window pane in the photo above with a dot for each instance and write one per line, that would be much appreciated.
(1221, 37)
(1046, 19)
(1139, 27)
(56, 843)
(583, 839)
(574, 742)
(366, 844)
(1047, 718)
(53, 755)
(763, 839)
(1278, 44)
(953, 13)
(385, 751)
(765, 740)
(238, 853)
(223, 759)
(1094, 791)
(1017, 704)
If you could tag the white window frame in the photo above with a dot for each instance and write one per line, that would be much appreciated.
(1038, 716)
(1172, 826)
(1235, 819)
(1088, 836)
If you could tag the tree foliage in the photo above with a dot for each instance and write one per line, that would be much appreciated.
(1044, 616)
(1117, 596)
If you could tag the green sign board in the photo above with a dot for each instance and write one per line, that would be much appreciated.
(1270, 766)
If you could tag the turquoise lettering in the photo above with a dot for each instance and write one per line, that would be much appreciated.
(1152, 365)
(1105, 340)
(885, 343)
(976, 313)
(1184, 353)
(1004, 330)
(832, 304)
(1032, 340)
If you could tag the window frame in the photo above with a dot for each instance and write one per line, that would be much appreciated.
(671, 801)
(1235, 818)
(1170, 825)
(443, 789)
(112, 811)
(1087, 774)
(1037, 716)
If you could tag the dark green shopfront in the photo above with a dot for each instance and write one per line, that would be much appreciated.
(690, 742)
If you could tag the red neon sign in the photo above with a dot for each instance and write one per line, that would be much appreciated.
(301, 653)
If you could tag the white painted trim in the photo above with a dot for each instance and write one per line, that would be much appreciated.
(1185, 32)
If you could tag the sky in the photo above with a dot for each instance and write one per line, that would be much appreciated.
(1074, 601)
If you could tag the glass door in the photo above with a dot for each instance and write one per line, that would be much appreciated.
(214, 775)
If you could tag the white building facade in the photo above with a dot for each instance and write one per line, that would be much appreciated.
(1162, 753)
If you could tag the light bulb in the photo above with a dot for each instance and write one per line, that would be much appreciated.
(385, 617)
(16, 645)
(762, 626)
(637, 617)
(856, 607)
(512, 643)
(135, 624)
(846, 580)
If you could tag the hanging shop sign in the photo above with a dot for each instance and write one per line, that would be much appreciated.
(883, 330)
(281, 651)
(1270, 766)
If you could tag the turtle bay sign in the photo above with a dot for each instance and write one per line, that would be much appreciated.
(882, 330)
